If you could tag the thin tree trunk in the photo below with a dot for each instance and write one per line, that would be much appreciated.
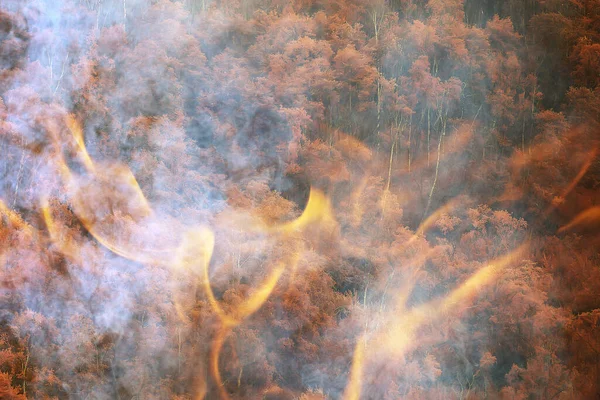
(523, 136)
(378, 106)
(409, 139)
(19, 174)
(437, 165)
(428, 135)
(533, 110)
(25, 366)
(389, 179)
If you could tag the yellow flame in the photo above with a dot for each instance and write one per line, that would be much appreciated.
(200, 387)
(197, 245)
(195, 251)
(217, 345)
(250, 305)
(10, 217)
(77, 133)
(317, 208)
(431, 219)
(354, 386)
(238, 314)
(86, 192)
(233, 319)
(481, 278)
(397, 338)
(193, 256)
(83, 194)
(402, 332)
(64, 245)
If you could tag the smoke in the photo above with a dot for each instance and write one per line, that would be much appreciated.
(204, 200)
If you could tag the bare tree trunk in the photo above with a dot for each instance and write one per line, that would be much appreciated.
(20, 173)
(409, 141)
(437, 164)
(389, 179)
(378, 126)
(62, 74)
(428, 135)
(523, 136)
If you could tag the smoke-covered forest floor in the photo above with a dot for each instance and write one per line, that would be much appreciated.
(263, 199)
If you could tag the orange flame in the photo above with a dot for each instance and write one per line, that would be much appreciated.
(588, 216)
(14, 218)
(431, 219)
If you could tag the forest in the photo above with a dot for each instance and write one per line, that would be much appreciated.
(307, 199)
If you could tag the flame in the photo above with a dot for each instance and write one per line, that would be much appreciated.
(105, 190)
(195, 250)
(14, 218)
(64, 244)
(77, 132)
(354, 387)
(481, 278)
(236, 316)
(569, 188)
(398, 337)
(588, 216)
(8, 216)
(193, 257)
(520, 160)
(586, 165)
(431, 219)
(86, 194)
(430, 311)
(250, 305)
(317, 208)
(201, 389)
(215, 352)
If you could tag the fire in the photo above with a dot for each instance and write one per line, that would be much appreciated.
(584, 168)
(104, 190)
(354, 386)
(317, 208)
(428, 222)
(591, 156)
(194, 252)
(588, 216)
(77, 132)
(398, 336)
(64, 243)
(14, 218)
(299, 200)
